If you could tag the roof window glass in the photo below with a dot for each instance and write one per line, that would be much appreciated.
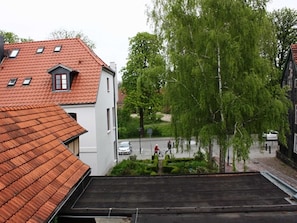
(27, 81)
(14, 53)
(57, 48)
(12, 82)
(40, 49)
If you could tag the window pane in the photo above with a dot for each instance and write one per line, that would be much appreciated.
(108, 119)
(64, 82)
(61, 82)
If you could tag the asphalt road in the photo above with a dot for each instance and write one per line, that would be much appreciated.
(144, 149)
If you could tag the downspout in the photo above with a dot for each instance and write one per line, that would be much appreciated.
(115, 110)
(1, 48)
(115, 118)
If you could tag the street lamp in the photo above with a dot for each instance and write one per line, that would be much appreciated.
(139, 129)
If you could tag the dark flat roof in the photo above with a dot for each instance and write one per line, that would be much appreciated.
(187, 198)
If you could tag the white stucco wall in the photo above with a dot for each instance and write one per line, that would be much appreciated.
(106, 139)
(88, 144)
(97, 146)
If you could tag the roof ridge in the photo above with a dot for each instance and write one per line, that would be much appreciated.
(91, 52)
(42, 41)
(26, 107)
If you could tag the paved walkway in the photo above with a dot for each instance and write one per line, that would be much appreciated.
(274, 166)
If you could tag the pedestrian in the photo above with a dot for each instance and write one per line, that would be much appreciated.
(157, 150)
(168, 147)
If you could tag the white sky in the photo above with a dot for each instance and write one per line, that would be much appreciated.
(108, 23)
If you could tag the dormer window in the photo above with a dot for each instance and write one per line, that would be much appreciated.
(12, 82)
(62, 77)
(57, 48)
(14, 53)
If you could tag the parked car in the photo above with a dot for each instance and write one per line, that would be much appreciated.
(271, 135)
(125, 148)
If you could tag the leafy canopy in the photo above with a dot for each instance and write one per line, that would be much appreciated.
(220, 70)
(142, 78)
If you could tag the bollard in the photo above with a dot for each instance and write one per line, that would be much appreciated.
(266, 146)
(269, 149)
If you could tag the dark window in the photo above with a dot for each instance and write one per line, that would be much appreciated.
(61, 82)
(12, 82)
(73, 115)
(107, 82)
(108, 119)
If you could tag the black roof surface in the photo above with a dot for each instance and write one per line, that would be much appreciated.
(233, 197)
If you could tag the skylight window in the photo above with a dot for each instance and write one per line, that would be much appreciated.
(40, 49)
(12, 82)
(57, 48)
(14, 53)
(27, 81)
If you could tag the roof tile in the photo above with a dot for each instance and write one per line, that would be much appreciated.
(74, 54)
(37, 170)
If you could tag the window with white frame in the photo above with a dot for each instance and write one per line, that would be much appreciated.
(61, 82)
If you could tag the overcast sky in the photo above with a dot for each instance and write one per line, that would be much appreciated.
(108, 23)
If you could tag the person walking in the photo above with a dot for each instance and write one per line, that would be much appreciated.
(168, 147)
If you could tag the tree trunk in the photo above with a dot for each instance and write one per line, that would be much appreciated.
(222, 149)
(210, 154)
(222, 160)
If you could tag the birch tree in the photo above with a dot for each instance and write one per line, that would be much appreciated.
(218, 72)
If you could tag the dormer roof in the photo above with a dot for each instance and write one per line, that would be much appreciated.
(70, 70)
(36, 59)
(37, 170)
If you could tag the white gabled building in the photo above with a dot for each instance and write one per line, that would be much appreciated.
(68, 73)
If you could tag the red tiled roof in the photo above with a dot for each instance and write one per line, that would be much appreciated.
(74, 54)
(36, 170)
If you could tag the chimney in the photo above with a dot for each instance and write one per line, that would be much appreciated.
(1, 48)
(113, 66)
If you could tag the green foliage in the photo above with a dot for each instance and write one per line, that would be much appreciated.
(128, 126)
(170, 165)
(10, 37)
(185, 166)
(219, 82)
(160, 130)
(143, 76)
(285, 22)
(132, 167)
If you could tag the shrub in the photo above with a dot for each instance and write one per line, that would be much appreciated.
(134, 167)
(199, 156)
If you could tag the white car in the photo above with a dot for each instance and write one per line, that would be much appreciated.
(125, 148)
(271, 135)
